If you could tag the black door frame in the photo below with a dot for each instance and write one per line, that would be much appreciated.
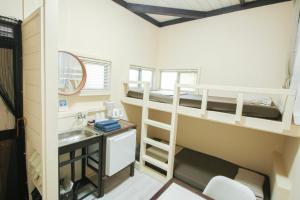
(18, 133)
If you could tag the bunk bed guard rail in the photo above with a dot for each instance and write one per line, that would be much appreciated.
(287, 99)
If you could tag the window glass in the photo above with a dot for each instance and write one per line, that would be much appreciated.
(140, 74)
(188, 78)
(133, 76)
(98, 74)
(168, 80)
(147, 76)
(95, 74)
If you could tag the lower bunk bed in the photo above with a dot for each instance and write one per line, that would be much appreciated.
(197, 169)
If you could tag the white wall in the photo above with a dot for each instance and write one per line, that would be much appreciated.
(250, 43)
(103, 29)
(246, 48)
(11, 8)
(30, 6)
(51, 98)
(41, 93)
(292, 163)
(291, 154)
(254, 44)
(14, 8)
(33, 92)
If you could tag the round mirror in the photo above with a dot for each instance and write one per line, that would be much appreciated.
(71, 75)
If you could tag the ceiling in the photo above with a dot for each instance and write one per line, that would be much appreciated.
(168, 12)
(162, 18)
(199, 5)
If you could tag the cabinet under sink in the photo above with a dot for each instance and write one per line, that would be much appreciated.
(120, 152)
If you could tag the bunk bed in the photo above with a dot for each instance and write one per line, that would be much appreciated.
(197, 169)
(218, 104)
(271, 117)
(206, 102)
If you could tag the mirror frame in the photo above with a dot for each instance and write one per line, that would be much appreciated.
(82, 82)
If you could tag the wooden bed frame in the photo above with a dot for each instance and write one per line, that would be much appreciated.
(282, 127)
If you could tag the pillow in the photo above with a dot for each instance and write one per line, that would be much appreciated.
(258, 100)
(252, 180)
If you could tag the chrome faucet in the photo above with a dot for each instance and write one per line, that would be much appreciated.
(80, 116)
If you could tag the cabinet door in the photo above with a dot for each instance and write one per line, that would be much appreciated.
(120, 151)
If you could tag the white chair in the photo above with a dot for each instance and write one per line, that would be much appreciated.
(222, 188)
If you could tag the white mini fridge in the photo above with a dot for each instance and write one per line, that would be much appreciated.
(120, 152)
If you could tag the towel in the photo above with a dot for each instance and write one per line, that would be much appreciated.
(104, 123)
(252, 180)
(111, 127)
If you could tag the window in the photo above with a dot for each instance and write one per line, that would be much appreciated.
(142, 74)
(168, 78)
(97, 76)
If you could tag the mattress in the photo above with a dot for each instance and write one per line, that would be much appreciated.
(219, 104)
(197, 169)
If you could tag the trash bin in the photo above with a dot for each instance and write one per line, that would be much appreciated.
(66, 189)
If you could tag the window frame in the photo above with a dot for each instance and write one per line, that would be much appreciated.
(179, 71)
(97, 92)
(140, 69)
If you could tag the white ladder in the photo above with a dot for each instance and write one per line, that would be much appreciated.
(171, 128)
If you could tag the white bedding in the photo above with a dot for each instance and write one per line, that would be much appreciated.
(258, 100)
(252, 180)
(177, 192)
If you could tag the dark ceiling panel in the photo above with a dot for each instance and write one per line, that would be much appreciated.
(139, 8)
(188, 15)
(142, 15)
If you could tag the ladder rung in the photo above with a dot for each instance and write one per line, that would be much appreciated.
(156, 162)
(157, 144)
(158, 124)
(159, 106)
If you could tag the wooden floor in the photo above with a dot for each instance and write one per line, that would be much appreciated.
(123, 187)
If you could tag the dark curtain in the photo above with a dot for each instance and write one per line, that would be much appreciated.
(7, 65)
(12, 142)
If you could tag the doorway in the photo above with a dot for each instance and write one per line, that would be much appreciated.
(13, 181)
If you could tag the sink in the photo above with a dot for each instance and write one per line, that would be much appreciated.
(74, 136)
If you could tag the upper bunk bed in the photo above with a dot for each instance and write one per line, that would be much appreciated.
(246, 107)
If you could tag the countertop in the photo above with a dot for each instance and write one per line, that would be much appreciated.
(125, 126)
